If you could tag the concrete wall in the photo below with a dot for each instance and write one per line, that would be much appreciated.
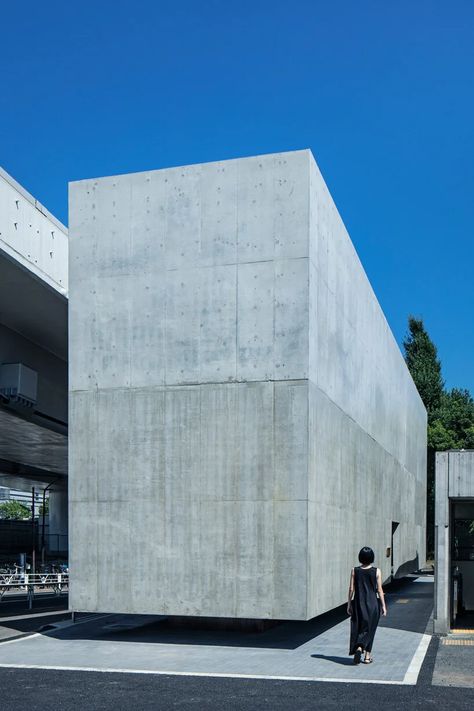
(221, 427)
(58, 520)
(32, 235)
(52, 381)
(367, 424)
(454, 480)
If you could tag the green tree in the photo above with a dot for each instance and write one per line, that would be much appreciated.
(421, 357)
(450, 414)
(424, 365)
(13, 510)
(455, 415)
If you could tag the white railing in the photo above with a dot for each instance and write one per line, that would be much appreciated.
(30, 583)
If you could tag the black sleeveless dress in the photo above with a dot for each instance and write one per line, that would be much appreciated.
(365, 609)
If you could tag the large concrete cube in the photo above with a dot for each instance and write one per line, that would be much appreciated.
(241, 418)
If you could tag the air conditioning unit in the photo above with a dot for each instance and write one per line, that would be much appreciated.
(18, 384)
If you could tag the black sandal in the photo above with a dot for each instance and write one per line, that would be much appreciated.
(368, 660)
(358, 656)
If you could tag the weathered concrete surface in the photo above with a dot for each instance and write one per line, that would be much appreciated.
(454, 481)
(242, 420)
(367, 424)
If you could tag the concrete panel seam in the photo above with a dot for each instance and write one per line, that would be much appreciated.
(390, 454)
(161, 388)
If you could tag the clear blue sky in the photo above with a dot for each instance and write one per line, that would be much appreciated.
(382, 92)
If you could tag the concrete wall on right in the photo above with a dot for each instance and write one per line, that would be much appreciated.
(367, 423)
(454, 483)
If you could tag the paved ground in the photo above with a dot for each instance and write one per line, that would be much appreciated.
(17, 621)
(312, 651)
(455, 662)
(113, 640)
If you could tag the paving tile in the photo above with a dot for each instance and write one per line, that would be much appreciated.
(297, 650)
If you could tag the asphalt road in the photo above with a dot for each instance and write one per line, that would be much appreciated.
(70, 691)
(17, 604)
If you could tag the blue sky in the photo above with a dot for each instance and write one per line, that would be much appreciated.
(382, 92)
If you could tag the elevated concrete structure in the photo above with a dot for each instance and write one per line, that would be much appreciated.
(33, 331)
(242, 420)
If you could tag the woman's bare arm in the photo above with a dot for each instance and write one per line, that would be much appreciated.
(350, 594)
(380, 592)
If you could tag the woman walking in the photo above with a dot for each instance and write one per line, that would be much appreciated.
(365, 601)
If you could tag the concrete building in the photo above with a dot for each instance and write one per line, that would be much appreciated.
(241, 418)
(33, 350)
(454, 541)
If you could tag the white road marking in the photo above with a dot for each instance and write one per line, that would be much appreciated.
(410, 678)
(58, 625)
(411, 675)
(33, 616)
(20, 639)
(205, 674)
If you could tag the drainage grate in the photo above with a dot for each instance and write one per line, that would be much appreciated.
(459, 642)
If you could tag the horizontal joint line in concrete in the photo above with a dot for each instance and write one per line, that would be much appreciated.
(346, 414)
(235, 263)
(186, 266)
(273, 499)
(187, 385)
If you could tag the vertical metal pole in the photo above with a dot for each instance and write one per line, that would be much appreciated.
(33, 553)
(42, 532)
(29, 591)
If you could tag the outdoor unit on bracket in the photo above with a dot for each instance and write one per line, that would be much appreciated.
(18, 384)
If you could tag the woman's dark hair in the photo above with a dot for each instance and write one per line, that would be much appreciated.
(366, 555)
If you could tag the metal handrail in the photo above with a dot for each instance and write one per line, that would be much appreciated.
(23, 579)
(27, 582)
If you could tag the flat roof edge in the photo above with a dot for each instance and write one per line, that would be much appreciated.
(32, 200)
(453, 451)
(189, 165)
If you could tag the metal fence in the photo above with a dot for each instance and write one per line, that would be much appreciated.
(27, 584)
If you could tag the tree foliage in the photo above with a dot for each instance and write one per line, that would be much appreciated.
(450, 413)
(453, 422)
(424, 365)
(13, 510)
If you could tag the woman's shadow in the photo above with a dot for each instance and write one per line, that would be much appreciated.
(337, 660)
